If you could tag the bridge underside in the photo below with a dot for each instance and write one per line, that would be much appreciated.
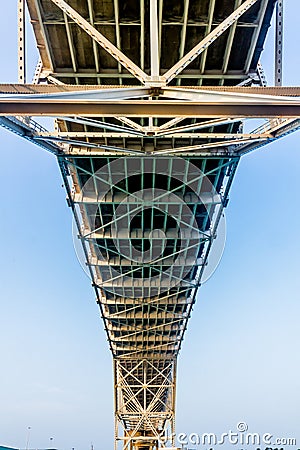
(148, 191)
(70, 54)
(149, 224)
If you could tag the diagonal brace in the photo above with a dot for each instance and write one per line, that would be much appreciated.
(103, 41)
(207, 41)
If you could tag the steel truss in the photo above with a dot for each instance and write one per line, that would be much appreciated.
(154, 114)
(143, 389)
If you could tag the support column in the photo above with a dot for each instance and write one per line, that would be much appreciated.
(21, 42)
(278, 43)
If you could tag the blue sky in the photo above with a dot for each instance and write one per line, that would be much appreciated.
(240, 359)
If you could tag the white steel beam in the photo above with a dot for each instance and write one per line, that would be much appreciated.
(154, 49)
(170, 123)
(93, 134)
(184, 27)
(197, 126)
(53, 80)
(142, 37)
(212, 145)
(70, 43)
(44, 34)
(83, 144)
(105, 125)
(160, 14)
(91, 94)
(207, 41)
(118, 33)
(284, 107)
(194, 74)
(103, 41)
(130, 123)
(183, 33)
(123, 92)
(76, 150)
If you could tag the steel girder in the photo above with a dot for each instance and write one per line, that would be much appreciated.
(208, 106)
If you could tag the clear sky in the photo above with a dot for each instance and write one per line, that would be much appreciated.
(240, 360)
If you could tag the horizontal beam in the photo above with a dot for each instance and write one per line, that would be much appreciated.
(75, 93)
(100, 124)
(112, 73)
(139, 91)
(92, 134)
(155, 108)
(126, 23)
(211, 145)
(225, 95)
(81, 151)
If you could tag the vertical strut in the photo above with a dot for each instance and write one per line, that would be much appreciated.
(142, 37)
(154, 40)
(21, 42)
(278, 43)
